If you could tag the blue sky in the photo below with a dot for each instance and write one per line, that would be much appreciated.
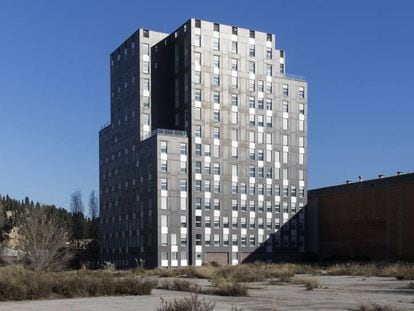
(54, 82)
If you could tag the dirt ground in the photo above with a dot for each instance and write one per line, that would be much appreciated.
(334, 293)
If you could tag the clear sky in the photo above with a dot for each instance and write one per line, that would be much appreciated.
(358, 57)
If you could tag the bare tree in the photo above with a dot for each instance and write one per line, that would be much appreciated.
(43, 240)
(76, 203)
(93, 205)
(78, 220)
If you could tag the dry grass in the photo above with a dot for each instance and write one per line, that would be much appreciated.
(400, 271)
(192, 303)
(375, 307)
(180, 285)
(17, 283)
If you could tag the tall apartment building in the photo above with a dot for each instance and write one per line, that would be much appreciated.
(205, 155)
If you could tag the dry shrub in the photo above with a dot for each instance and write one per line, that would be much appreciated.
(259, 272)
(375, 307)
(180, 285)
(225, 288)
(192, 303)
(310, 282)
(17, 283)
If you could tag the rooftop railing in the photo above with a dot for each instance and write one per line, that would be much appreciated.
(169, 132)
(292, 77)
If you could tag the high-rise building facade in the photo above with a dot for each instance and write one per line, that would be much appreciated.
(205, 155)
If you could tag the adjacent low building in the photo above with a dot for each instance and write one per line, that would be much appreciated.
(371, 219)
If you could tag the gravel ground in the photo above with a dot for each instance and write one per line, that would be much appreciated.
(334, 293)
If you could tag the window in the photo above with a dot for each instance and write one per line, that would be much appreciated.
(146, 119)
(285, 90)
(207, 168)
(252, 50)
(197, 77)
(269, 69)
(197, 95)
(285, 106)
(216, 222)
(164, 168)
(207, 221)
(183, 149)
(146, 84)
(146, 102)
(197, 130)
(163, 146)
(197, 23)
(145, 67)
(216, 79)
(234, 100)
(269, 87)
(216, 44)
(207, 203)
(216, 203)
(234, 82)
(216, 133)
(301, 93)
(251, 67)
(302, 108)
(216, 115)
(216, 61)
(260, 120)
(234, 30)
(197, 40)
(234, 47)
(207, 150)
(183, 185)
(164, 184)
(197, 113)
(252, 171)
(216, 97)
(198, 185)
(285, 123)
(269, 53)
(252, 121)
(260, 86)
(252, 34)
(260, 103)
(260, 156)
(251, 137)
(234, 188)
(163, 202)
(252, 102)
(216, 168)
(252, 85)
(216, 240)
(198, 239)
(197, 59)
(268, 104)
(197, 167)
(198, 221)
(243, 222)
(234, 64)
(252, 223)
(216, 27)
(207, 186)
(197, 150)
(145, 49)
(164, 241)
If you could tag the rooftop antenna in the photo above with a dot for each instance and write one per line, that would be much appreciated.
(399, 173)
(360, 178)
(380, 176)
